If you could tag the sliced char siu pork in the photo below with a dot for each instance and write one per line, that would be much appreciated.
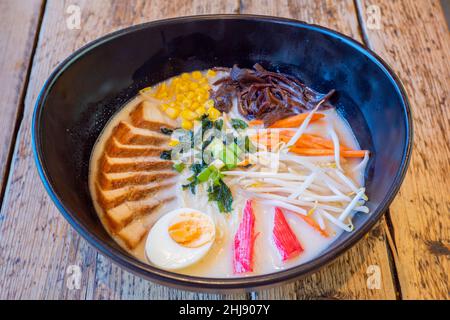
(132, 181)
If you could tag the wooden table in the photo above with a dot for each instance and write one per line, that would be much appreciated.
(410, 246)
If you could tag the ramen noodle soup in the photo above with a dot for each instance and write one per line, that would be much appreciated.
(228, 172)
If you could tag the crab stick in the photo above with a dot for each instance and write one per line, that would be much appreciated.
(244, 241)
(284, 238)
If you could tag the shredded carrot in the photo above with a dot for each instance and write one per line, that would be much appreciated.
(328, 152)
(309, 220)
(255, 122)
(312, 138)
(295, 121)
(244, 163)
(353, 153)
(302, 143)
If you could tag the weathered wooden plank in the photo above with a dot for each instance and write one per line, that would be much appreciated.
(18, 24)
(347, 277)
(414, 39)
(36, 244)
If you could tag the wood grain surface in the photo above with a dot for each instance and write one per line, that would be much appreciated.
(411, 249)
(415, 41)
(16, 49)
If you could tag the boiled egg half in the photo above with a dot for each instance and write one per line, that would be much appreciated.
(180, 238)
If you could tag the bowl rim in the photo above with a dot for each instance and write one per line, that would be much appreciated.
(187, 282)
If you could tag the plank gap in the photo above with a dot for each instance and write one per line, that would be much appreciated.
(392, 254)
(361, 25)
(389, 228)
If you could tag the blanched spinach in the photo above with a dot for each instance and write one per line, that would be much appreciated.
(222, 195)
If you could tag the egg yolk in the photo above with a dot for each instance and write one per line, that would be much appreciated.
(184, 232)
(191, 230)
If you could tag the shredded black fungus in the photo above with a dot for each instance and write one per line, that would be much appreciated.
(265, 95)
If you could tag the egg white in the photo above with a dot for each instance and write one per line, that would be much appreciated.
(162, 251)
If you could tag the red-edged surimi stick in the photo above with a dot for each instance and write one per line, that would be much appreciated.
(244, 241)
(284, 238)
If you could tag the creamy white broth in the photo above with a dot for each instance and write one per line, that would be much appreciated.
(218, 261)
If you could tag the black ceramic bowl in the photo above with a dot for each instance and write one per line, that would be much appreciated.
(88, 87)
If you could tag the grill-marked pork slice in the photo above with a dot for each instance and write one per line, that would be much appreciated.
(108, 199)
(132, 181)
(109, 181)
(124, 213)
(148, 116)
(133, 232)
(128, 134)
(109, 165)
(114, 148)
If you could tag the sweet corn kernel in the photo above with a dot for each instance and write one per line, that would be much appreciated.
(186, 124)
(172, 112)
(196, 75)
(195, 105)
(200, 110)
(203, 92)
(182, 87)
(185, 96)
(162, 96)
(173, 142)
(200, 98)
(146, 90)
(209, 104)
(193, 85)
(202, 81)
(179, 97)
(161, 92)
(211, 73)
(214, 114)
(189, 115)
(190, 95)
(185, 76)
(186, 103)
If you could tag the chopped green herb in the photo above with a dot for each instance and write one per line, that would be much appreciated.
(207, 142)
(238, 124)
(216, 177)
(222, 195)
(166, 155)
(218, 124)
(191, 186)
(204, 175)
(196, 168)
(248, 145)
(179, 166)
(206, 123)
